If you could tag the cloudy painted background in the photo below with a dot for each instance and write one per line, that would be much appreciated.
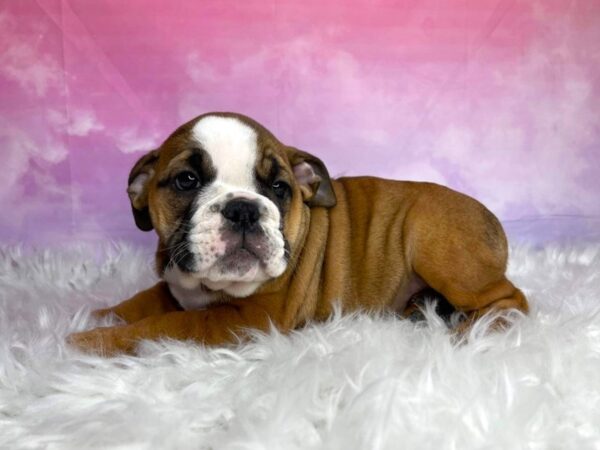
(496, 98)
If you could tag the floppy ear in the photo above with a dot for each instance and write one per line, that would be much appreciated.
(314, 180)
(137, 189)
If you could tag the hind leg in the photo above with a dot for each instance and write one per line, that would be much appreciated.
(459, 249)
(474, 290)
(471, 283)
(498, 296)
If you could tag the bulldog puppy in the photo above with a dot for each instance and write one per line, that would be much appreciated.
(252, 232)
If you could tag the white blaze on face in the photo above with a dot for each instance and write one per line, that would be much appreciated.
(233, 148)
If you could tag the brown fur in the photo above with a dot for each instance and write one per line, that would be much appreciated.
(369, 252)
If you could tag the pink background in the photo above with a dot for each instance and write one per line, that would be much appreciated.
(496, 98)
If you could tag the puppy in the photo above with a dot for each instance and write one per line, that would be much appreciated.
(252, 232)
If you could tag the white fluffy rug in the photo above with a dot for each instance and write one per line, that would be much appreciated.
(355, 382)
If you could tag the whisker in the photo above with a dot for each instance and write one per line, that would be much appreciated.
(178, 255)
(175, 247)
(176, 252)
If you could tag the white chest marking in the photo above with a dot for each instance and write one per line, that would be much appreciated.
(191, 299)
(188, 291)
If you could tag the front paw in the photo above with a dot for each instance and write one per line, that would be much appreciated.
(100, 341)
(101, 313)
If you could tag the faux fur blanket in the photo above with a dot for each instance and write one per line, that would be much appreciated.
(355, 382)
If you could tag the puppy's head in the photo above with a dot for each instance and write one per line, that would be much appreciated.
(228, 202)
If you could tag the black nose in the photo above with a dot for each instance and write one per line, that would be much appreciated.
(243, 213)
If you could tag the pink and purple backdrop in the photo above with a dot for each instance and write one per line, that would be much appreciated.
(496, 98)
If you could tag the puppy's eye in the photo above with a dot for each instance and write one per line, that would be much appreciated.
(281, 188)
(186, 181)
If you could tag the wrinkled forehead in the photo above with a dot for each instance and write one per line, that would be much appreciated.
(232, 147)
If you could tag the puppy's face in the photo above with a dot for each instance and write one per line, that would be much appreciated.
(227, 200)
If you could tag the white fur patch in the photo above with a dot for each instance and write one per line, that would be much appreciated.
(187, 289)
(232, 146)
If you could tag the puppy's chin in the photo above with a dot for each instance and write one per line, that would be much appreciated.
(234, 288)
(237, 275)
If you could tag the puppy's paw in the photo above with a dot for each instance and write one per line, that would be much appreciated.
(100, 341)
(107, 316)
(101, 313)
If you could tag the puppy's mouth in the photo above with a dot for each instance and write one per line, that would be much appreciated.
(240, 260)
(243, 250)
(233, 261)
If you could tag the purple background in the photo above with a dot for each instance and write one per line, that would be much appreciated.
(498, 99)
